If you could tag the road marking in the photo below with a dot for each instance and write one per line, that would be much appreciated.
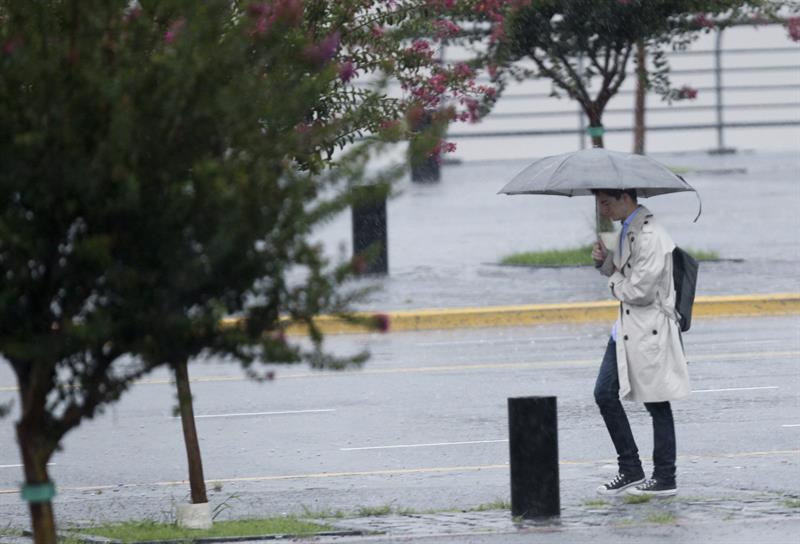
(20, 466)
(425, 445)
(793, 425)
(734, 389)
(393, 472)
(247, 414)
(551, 364)
(530, 340)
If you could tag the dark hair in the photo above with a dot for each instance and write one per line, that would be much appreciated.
(616, 194)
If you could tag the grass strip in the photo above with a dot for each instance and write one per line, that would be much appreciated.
(581, 256)
(136, 531)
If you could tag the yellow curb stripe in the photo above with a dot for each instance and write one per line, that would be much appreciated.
(540, 314)
(396, 472)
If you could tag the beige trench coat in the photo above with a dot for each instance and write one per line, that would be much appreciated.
(650, 359)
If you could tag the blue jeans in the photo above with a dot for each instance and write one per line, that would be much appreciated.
(606, 394)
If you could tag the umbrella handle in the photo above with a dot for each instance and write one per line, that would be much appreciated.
(699, 206)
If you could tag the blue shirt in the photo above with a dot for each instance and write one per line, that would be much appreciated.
(625, 225)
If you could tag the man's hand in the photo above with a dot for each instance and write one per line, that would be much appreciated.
(599, 252)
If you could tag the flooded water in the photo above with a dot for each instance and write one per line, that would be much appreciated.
(446, 239)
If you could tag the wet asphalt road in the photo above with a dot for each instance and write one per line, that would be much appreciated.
(423, 426)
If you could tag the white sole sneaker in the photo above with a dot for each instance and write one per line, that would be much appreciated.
(605, 492)
(660, 493)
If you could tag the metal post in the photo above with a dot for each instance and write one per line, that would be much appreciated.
(370, 250)
(718, 91)
(533, 448)
(581, 118)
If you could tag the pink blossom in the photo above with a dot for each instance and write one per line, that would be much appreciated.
(263, 25)
(377, 31)
(346, 71)
(415, 116)
(463, 70)
(488, 92)
(793, 25)
(440, 148)
(702, 21)
(382, 322)
(325, 50)
(688, 93)
(498, 33)
(473, 109)
(445, 28)
(389, 124)
(420, 46)
(174, 29)
(437, 83)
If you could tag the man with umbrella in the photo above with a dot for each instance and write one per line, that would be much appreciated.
(644, 359)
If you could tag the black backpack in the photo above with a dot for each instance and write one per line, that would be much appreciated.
(684, 274)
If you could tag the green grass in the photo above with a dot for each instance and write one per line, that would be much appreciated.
(150, 530)
(370, 511)
(323, 514)
(599, 503)
(499, 504)
(636, 499)
(792, 503)
(664, 518)
(581, 256)
(8, 531)
(703, 255)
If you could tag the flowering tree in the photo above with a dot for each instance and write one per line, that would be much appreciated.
(377, 41)
(573, 42)
(152, 181)
(162, 164)
(793, 28)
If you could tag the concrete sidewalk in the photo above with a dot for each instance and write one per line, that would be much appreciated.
(691, 519)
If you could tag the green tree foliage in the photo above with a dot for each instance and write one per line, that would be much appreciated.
(578, 42)
(162, 164)
(158, 172)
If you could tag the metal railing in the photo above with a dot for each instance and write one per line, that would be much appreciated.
(718, 89)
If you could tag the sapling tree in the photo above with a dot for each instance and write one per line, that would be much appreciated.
(157, 173)
(162, 166)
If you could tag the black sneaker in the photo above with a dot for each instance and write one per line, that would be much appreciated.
(654, 488)
(619, 484)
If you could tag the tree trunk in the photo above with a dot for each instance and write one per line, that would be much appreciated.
(34, 459)
(595, 130)
(597, 139)
(641, 89)
(196, 480)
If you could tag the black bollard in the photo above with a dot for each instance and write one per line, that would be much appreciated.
(424, 168)
(533, 445)
(370, 253)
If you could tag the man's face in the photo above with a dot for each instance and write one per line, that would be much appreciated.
(610, 207)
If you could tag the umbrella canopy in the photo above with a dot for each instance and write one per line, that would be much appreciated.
(577, 173)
